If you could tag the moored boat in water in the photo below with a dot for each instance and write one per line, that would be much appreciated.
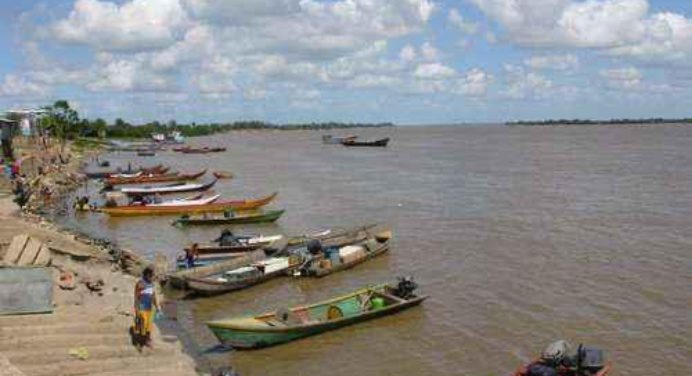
(329, 139)
(377, 143)
(285, 325)
(158, 169)
(184, 208)
(242, 277)
(153, 178)
(167, 189)
(233, 218)
(321, 261)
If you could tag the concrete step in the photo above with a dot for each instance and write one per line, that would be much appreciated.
(98, 352)
(58, 319)
(124, 365)
(65, 328)
(65, 341)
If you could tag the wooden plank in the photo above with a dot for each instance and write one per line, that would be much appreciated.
(26, 290)
(30, 252)
(16, 248)
(44, 256)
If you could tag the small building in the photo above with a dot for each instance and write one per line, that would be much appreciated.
(8, 128)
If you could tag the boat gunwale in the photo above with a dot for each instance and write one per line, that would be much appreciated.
(368, 314)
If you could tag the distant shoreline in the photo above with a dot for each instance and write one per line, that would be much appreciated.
(552, 122)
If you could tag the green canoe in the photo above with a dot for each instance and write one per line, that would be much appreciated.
(242, 217)
(282, 326)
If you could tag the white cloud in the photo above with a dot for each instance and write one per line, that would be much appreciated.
(623, 78)
(474, 83)
(433, 71)
(133, 26)
(455, 18)
(617, 27)
(19, 86)
(523, 85)
(555, 62)
(429, 52)
(407, 53)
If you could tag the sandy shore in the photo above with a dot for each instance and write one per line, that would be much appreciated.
(95, 321)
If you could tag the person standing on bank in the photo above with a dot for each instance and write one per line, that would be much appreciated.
(145, 306)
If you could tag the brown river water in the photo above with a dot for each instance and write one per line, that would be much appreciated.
(520, 235)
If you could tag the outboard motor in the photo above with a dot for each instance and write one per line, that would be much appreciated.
(405, 288)
(589, 359)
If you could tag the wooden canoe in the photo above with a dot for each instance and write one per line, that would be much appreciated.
(242, 277)
(244, 245)
(348, 256)
(381, 142)
(273, 328)
(214, 207)
(238, 218)
(147, 179)
(208, 259)
(167, 189)
(334, 238)
(158, 169)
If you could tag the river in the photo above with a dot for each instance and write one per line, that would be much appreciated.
(520, 235)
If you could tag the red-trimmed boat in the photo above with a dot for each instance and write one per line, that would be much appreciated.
(214, 207)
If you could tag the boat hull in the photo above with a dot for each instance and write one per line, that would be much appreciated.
(378, 143)
(270, 216)
(153, 179)
(259, 337)
(217, 207)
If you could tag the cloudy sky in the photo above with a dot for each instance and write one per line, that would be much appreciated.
(406, 61)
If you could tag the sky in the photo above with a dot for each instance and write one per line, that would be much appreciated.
(401, 61)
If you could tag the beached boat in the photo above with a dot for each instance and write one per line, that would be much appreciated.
(329, 139)
(213, 207)
(250, 217)
(146, 153)
(555, 360)
(381, 142)
(167, 189)
(158, 169)
(323, 261)
(284, 325)
(242, 277)
(163, 171)
(147, 179)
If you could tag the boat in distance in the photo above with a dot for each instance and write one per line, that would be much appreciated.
(212, 207)
(377, 143)
(285, 325)
(331, 140)
(238, 218)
